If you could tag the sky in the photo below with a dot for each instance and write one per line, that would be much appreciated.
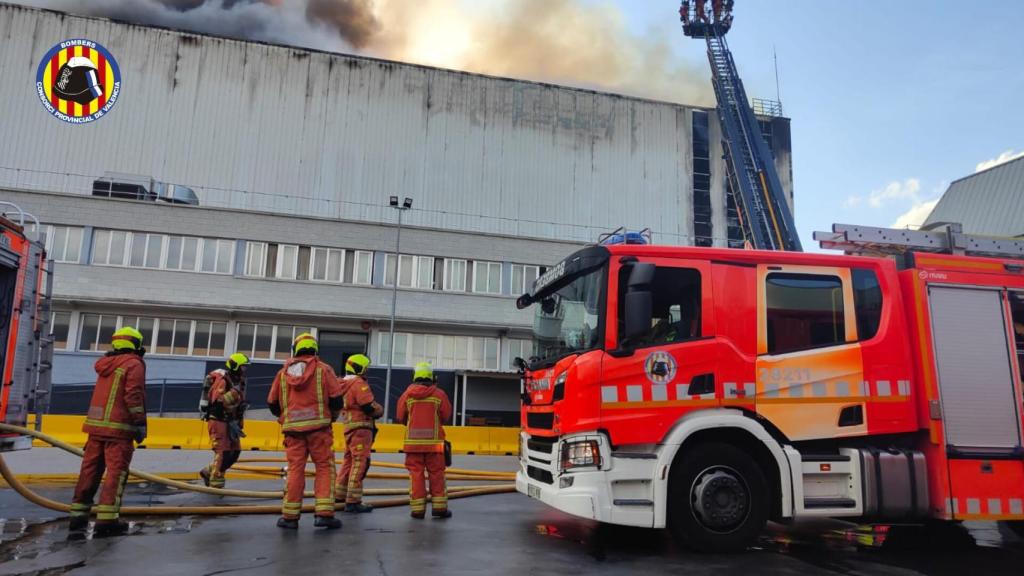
(890, 101)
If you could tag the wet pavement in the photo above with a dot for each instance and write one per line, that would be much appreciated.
(504, 534)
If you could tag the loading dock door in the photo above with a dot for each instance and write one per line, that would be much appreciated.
(972, 356)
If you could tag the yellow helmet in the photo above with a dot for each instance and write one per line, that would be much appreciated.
(357, 364)
(236, 361)
(127, 338)
(423, 371)
(305, 343)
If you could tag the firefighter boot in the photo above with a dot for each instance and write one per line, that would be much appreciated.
(288, 523)
(78, 524)
(441, 514)
(358, 508)
(205, 475)
(328, 522)
(110, 528)
(418, 515)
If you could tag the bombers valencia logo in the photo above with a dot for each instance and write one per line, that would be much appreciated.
(78, 81)
(660, 367)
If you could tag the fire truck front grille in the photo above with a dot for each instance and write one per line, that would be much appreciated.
(540, 420)
(545, 445)
(540, 474)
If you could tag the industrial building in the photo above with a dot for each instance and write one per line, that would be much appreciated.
(293, 155)
(990, 202)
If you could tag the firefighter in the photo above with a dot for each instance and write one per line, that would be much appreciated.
(306, 397)
(116, 417)
(225, 411)
(423, 407)
(359, 414)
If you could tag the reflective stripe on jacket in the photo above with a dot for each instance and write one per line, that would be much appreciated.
(118, 403)
(424, 410)
(304, 389)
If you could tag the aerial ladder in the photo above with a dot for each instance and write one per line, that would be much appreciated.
(765, 216)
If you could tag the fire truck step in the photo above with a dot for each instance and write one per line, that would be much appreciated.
(818, 503)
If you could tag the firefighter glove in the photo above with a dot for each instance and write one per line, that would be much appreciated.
(140, 434)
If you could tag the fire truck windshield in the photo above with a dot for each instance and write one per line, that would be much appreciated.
(569, 320)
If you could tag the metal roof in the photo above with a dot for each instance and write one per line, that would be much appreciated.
(990, 202)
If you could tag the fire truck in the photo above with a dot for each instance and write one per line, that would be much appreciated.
(25, 342)
(708, 391)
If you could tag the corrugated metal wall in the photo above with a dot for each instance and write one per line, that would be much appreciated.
(274, 128)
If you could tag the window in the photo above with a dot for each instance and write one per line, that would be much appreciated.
(413, 271)
(455, 275)
(454, 352)
(487, 277)
(209, 338)
(64, 243)
(518, 349)
(867, 302)
(146, 250)
(60, 326)
(96, 332)
(110, 247)
(523, 277)
(448, 352)
(327, 265)
(266, 341)
(401, 345)
(255, 259)
(485, 354)
(804, 311)
(675, 306)
(287, 261)
(217, 256)
(362, 272)
(702, 225)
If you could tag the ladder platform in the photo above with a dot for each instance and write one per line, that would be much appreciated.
(944, 239)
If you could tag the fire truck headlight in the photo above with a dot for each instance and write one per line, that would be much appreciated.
(581, 453)
(559, 393)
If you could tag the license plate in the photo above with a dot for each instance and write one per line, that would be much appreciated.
(533, 491)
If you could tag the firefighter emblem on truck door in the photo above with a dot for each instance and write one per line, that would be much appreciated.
(660, 367)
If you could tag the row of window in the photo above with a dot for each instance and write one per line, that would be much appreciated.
(273, 342)
(164, 252)
(469, 352)
(802, 311)
(286, 261)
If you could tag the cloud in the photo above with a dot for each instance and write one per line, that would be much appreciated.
(909, 189)
(1001, 159)
(916, 216)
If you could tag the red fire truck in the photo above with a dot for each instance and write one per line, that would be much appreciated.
(708, 391)
(25, 342)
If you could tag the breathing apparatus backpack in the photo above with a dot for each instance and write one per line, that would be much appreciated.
(204, 398)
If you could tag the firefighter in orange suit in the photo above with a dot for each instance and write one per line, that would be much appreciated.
(423, 408)
(117, 416)
(224, 418)
(306, 397)
(359, 413)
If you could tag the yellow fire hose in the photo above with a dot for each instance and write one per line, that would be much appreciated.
(38, 499)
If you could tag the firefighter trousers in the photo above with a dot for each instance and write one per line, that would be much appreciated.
(358, 444)
(316, 445)
(433, 464)
(226, 451)
(113, 455)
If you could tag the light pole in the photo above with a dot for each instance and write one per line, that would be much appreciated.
(405, 205)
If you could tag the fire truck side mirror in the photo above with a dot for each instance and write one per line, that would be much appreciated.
(638, 306)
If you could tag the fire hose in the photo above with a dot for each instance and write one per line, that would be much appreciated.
(40, 500)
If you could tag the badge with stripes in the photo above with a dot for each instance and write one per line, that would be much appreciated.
(78, 81)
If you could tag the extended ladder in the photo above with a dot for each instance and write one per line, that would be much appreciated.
(765, 217)
(947, 238)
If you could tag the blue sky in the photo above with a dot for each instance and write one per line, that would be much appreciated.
(890, 101)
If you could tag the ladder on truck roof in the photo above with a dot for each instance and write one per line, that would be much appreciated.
(946, 238)
(765, 216)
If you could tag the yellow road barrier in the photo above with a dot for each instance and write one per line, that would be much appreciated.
(191, 434)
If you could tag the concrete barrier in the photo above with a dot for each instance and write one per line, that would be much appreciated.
(191, 434)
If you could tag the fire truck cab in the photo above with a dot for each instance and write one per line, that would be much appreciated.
(25, 343)
(710, 390)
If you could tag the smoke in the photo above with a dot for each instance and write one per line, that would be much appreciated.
(575, 42)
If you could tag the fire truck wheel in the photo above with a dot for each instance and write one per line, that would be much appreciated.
(1017, 527)
(718, 499)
